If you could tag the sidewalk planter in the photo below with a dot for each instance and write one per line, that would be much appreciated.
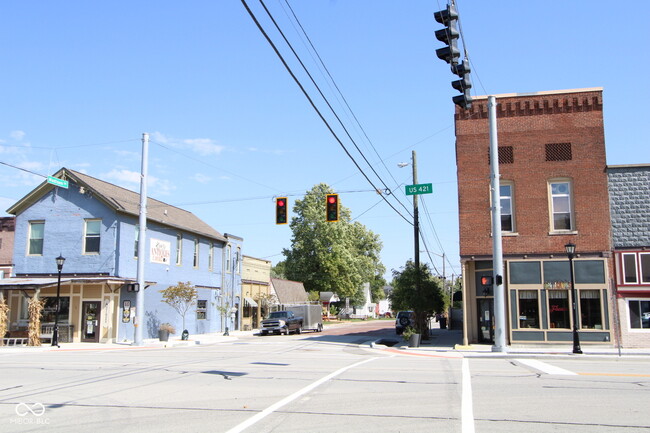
(414, 340)
(163, 335)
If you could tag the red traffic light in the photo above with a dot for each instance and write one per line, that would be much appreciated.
(281, 210)
(332, 208)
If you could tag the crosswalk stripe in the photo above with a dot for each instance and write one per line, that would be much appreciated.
(544, 367)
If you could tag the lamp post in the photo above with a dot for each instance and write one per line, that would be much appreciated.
(55, 334)
(570, 250)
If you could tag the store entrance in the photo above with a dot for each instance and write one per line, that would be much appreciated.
(485, 320)
(90, 321)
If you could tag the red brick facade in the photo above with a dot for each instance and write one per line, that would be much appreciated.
(528, 123)
(544, 138)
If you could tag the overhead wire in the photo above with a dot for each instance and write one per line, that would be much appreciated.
(313, 104)
(304, 67)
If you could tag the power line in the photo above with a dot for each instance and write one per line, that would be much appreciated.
(325, 98)
(277, 52)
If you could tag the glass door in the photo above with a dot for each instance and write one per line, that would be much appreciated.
(90, 321)
(485, 320)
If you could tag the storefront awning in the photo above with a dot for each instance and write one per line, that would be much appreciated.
(251, 302)
(39, 283)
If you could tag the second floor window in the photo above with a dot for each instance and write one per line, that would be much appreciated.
(137, 238)
(227, 258)
(210, 256)
(36, 231)
(92, 236)
(507, 222)
(196, 252)
(179, 249)
(562, 218)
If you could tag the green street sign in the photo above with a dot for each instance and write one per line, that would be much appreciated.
(420, 188)
(57, 182)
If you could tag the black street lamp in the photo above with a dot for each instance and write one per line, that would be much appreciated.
(55, 334)
(570, 250)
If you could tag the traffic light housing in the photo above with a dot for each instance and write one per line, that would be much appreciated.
(463, 85)
(451, 54)
(281, 210)
(449, 35)
(332, 207)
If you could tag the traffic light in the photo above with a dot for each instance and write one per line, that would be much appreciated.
(449, 35)
(281, 210)
(332, 207)
(463, 85)
(451, 54)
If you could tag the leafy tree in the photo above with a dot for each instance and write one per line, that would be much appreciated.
(425, 302)
(180, 297)
(278, 271)
(330, 256)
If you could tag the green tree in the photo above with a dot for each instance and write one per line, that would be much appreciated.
(180, 297)
(425, 302)
(278, 271)
(330, 256)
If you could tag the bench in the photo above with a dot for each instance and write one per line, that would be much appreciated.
(15, 341)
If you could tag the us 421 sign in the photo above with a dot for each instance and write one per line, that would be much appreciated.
(420, 188)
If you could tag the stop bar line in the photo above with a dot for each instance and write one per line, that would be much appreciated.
(288, 399)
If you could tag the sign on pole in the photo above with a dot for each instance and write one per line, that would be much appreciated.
(57, 182)
(420, 188)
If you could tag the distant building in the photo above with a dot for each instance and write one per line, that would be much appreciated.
(7, 230)
(94, 225)
(256, 291)
(288, 292)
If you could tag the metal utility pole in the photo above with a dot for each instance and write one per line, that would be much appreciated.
(497, 252)
(139, 315)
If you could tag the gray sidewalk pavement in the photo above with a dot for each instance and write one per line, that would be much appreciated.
(445, 340)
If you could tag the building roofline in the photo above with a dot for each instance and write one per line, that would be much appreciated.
(628, 166)
(543, 93)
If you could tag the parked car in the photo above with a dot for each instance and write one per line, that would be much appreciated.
(281, 322)
(403, 320)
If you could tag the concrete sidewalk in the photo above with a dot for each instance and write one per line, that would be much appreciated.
(444, 340)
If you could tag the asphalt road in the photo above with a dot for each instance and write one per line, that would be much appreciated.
(321, 382)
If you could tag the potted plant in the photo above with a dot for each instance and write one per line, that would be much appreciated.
(412, 336)
(164, 330)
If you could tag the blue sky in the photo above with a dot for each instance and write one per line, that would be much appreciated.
(230, 129)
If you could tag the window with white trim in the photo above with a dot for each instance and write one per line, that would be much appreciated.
(629, 268)
(137, 238)
(36, 232)
(507, 214)
(196, 253)
(92, 229)
(644, 260)
(210, 256)
(561, 206)
(179, 249)
(227, 254)
(639, 313)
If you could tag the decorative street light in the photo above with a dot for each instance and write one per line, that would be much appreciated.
(570, 250)
(55, 335)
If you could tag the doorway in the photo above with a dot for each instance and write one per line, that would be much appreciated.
(486, 320)
(90, 320)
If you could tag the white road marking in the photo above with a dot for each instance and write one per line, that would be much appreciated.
(467, 408)
(545, 368)
(288, 399)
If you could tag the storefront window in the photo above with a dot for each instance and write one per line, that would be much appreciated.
(49, 310)
(639, 314)
(558, 307)
(590, 310)
(528, 309)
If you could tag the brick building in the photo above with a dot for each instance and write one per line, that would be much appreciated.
(553, 189)
(629, 197)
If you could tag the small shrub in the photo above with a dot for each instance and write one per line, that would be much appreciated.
(408, 332)
(167, 327)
